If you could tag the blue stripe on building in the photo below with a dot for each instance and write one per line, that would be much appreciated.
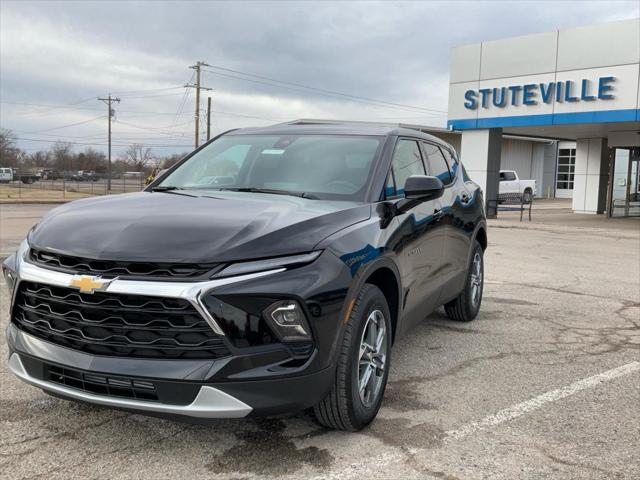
(603, 116)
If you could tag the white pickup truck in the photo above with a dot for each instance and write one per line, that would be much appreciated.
(510, 183)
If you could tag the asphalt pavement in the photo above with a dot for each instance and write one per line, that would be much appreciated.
(544, 384)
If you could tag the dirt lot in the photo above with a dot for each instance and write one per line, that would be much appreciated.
(544, 384)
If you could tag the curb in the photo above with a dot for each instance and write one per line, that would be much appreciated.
(38, 202)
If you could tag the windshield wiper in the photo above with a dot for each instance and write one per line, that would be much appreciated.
(270, 190)
(165, 188)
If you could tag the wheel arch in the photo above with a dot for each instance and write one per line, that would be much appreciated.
(481, 236)
(385, 275)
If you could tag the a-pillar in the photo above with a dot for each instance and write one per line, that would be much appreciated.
(480, 152)
(591, 175)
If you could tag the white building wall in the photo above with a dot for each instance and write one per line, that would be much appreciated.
(590, 181)
(516, 155)
(537, 166)
(604, 50)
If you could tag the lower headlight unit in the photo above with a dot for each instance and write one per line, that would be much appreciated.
(288, 321)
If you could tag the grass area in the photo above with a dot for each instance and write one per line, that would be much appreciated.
(11, 194)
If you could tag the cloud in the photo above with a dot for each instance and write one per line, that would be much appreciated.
(59, 53)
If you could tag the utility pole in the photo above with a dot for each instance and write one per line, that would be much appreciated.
(108, 101)
(198, 87)
(208, 118)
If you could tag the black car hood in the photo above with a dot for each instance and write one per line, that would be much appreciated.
(198, 227)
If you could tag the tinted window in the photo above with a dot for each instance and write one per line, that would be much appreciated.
(407, 161)
(328, 166)
(437, 164)
(465, 175)
(507, 176)
(451, 160)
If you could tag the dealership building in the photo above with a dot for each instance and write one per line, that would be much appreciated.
(561, 107)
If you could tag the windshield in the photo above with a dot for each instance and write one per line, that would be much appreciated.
(321, 166)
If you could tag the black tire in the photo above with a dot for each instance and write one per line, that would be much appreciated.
(343, 408)
(527, 196)
(464, 308)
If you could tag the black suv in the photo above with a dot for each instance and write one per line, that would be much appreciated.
(269, 271)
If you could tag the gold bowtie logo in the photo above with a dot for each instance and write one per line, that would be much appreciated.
(88, 284)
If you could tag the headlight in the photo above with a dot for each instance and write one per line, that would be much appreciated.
(288, 321)
(243, 268)
(8, 270)
(11, 265)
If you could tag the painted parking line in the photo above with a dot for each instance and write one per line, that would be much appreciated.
(535, 403)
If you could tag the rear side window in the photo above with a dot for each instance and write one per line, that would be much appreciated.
(437, 164)
(407, 161)
(451, 160)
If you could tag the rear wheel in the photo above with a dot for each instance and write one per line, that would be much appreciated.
(466, 306)
(363, 365)
(527, 196)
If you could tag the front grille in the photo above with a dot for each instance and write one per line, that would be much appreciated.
(99, 384)
(115, 324)
(115, 268)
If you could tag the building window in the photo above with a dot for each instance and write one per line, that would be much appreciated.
(566, 168)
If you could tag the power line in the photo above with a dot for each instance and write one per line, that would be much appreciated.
(64, 126)
(319, 90)
(134, 92)
(101, 144)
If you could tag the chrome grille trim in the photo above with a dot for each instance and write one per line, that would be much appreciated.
(190, 291)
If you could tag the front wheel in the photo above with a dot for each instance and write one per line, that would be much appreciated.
(363, 365)
(466, 306)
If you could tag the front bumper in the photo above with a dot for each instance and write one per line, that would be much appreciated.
(209, 402)
(182, 390)
(252, 381)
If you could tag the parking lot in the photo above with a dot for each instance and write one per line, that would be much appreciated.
(544, 384)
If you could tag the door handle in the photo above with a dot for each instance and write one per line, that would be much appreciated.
(437, 214)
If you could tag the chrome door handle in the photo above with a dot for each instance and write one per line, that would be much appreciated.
(437, 214)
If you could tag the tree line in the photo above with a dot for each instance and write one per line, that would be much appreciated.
(63, 157)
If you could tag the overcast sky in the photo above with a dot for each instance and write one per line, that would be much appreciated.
(57, 57)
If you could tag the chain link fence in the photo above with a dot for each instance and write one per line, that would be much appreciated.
(68, 189)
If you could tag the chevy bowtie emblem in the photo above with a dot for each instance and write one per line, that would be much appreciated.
(88, 284)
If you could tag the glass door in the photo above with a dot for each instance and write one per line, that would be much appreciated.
(625, 185)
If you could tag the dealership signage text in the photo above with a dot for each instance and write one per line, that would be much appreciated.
(534, 93)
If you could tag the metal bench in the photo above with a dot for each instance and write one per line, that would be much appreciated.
(510, 202)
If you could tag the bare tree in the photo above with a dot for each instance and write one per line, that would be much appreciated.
(9, 153)
(41, 158)
(63, 158)
(91, 159)
(137, 157)
(171, 160)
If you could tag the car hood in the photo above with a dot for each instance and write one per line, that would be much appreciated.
(193, 227)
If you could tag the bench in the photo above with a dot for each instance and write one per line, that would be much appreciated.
(510, 202)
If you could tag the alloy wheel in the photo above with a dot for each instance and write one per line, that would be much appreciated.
(372, 358)
(476, 279)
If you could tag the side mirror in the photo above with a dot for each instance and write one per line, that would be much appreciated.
(418, 189)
